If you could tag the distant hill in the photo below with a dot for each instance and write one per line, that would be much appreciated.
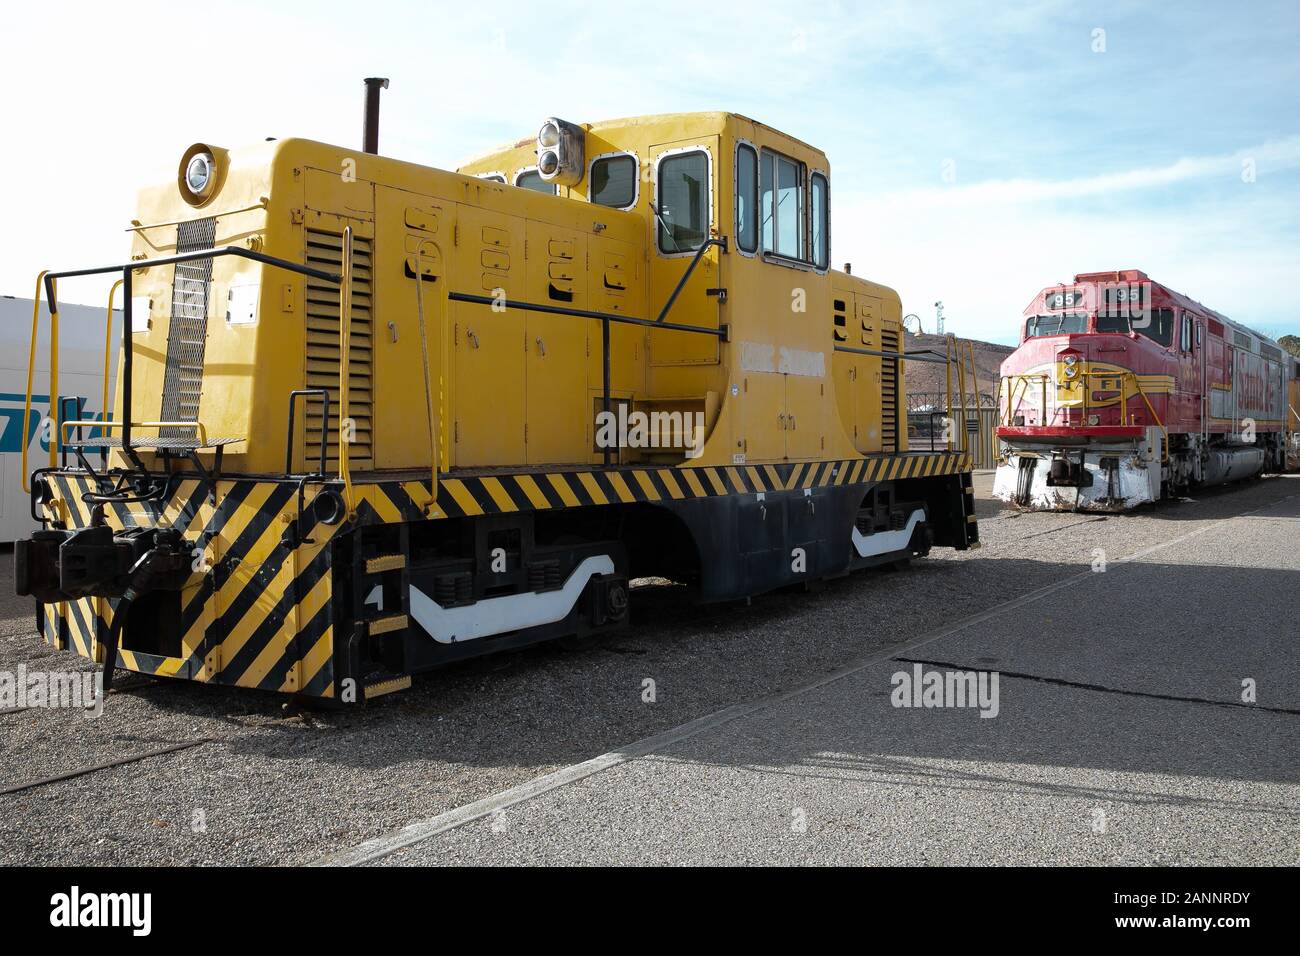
(926, 377)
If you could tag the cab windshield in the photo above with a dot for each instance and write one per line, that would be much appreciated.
(1112, 323)
(1060, 323)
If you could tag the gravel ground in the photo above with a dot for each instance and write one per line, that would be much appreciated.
(278, 788)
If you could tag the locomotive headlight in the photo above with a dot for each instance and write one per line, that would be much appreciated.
(200, 173)
(1071, 366)
(560, 149)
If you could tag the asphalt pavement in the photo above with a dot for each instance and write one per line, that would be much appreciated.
(1146, 712)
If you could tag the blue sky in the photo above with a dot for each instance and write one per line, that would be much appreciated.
(979, 151)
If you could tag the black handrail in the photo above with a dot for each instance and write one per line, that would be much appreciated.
(721, 332)
(720, 242)
(324, 430)
(923, 355)
(605, 318)
(127, 268)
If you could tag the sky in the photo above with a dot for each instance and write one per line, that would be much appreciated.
(979, 151)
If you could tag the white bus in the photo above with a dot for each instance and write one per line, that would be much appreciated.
(81, 378)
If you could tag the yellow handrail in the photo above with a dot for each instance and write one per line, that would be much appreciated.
(1164, 450)
(428, 388)
(1125, 377)
(108, 345)
(55, 405)
(345, 371)
(961, 394)
(947, 376)
(31, 369)
(91, 423)
(975, 389)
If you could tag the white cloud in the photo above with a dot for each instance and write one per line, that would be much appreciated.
(986, 260)
(1228, 168)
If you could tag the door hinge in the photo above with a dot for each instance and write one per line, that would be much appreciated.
(455, 428)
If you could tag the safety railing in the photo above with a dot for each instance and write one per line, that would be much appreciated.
(1016, 389)
(47, 282)
(950, 360)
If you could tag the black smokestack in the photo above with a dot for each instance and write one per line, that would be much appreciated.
(370, 130)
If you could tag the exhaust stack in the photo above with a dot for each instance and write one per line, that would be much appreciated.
(370, 129)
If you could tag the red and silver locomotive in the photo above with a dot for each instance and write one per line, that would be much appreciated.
(1124, 391)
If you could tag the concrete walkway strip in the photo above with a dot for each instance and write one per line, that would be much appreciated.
(421, 830)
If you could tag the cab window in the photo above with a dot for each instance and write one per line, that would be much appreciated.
(532, 179)
(821, 221)
(746, 198)
(683, 220)
(613, 181)
(1058, 323)
(1157, 325)
(781, 205)
(1112, 322)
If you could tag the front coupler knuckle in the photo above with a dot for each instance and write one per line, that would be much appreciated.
(96, 562)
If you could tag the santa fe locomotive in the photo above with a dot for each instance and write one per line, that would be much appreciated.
(374, 416)
(1124, 391)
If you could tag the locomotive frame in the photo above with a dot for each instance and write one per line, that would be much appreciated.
(318, 508)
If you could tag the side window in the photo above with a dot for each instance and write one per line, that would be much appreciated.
(613, 181)
(781, 203)
(1159, 326)
(683, 220)
(532, 179)
(746, 198)
(821, 221)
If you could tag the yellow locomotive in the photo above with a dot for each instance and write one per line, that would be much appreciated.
(373, 416)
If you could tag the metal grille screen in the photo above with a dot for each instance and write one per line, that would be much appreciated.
(187, 335)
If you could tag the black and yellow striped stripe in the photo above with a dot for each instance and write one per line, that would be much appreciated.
(258, 617)
(460, 496)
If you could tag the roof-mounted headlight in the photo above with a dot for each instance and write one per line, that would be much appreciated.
(560, 150)
(201, 170)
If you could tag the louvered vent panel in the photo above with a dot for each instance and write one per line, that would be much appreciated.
(889, 342)
(325, 251)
